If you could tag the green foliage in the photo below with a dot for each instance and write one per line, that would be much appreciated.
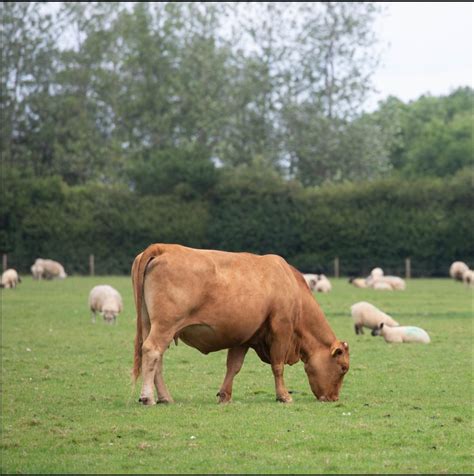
(433, 134)
(68, 406)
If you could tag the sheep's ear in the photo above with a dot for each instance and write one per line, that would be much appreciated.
(381, 325)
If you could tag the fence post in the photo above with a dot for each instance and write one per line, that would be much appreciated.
(91, 265)
(336, 267)
(4, 261)
(407, 268)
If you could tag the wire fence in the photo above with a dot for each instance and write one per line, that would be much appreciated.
(404, 267)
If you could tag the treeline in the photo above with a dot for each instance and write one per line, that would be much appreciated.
(227, 125)
(379, 223)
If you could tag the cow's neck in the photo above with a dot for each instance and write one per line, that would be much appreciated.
(313, 328)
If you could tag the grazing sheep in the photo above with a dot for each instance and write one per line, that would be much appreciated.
(323, 285)
(457, 269)
(10, 279)
(37, 269)
(311, 280)
(358, 282)
(365, 314)
(468, 278)
(107, 301)
(402, 334)
(47, 269)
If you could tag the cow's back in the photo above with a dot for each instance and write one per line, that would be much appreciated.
(215, 299)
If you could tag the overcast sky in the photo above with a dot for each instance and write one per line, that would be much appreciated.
(428, 48)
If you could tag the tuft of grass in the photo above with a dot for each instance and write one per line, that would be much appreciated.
(68, 405)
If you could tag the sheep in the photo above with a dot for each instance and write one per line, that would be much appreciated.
(402, 334)
(10, 279)
(365, 314)
(468, 278)
(376, 273)
(47, 269)
(323, 284)
(394, 282)
(107, 301)
(381, 285)
(457, 269)
(311, 280)
(358, 282)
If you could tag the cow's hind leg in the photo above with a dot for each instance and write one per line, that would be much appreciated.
(235, 359)
(152, 368)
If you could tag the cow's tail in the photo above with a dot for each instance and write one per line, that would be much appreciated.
(138, 277)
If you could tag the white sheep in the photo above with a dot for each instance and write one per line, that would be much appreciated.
(311, 280)
(376, 273)
(358, 282)
(47, 269)
(468, 278)
(381, 285)
(365, 314)
(10, 278)
(107, 301)
(323, 284)
(402, 334)
(457, 269)
(394, 282)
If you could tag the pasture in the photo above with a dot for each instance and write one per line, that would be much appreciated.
(68, 405)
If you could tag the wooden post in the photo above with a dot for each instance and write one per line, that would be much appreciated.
(407, 268)
(336, 267)
(91, 265)
(4, 261)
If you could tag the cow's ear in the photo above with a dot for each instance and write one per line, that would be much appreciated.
(346, 345)
(337, 349)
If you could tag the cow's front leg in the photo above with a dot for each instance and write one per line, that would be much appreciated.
(282, 394)
(235, 359)
(281, 336)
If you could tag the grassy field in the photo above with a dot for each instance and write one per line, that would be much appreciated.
(68, 406)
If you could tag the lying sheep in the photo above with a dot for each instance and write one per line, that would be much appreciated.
(365, 314)
(323, 285)
(358, 282)
(376, 273)
(457, 269)
(402, 334)
(10, 279)
(381, 286)
(107, 301)
(393, 282)
(468, 278)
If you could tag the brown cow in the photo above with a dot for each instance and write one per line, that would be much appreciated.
(214, 300)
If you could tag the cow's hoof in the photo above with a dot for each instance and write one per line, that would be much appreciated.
(223, 397)
(284, 399)
(164, 401)
(146, 401)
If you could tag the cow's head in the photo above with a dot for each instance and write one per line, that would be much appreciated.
(326, 369)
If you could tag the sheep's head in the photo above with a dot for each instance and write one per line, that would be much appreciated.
(378, 330)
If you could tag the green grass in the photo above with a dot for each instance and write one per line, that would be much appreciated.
(68, 407)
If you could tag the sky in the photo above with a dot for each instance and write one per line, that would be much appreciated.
(426, 48)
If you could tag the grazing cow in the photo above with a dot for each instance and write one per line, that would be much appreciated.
(214, 300)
